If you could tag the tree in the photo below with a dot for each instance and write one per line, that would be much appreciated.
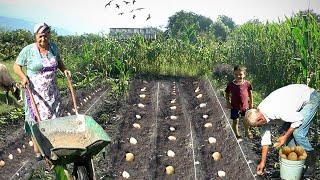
(227, 21)
(220, 30)
(182, 22)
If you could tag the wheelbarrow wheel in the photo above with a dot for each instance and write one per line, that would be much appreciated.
(84, 170)
(82, 173)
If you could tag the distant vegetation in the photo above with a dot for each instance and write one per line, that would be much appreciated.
(275, 54)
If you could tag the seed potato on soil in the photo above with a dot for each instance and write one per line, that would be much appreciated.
(150, 164)
(2, 163)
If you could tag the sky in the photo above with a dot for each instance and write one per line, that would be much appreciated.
(93, 16)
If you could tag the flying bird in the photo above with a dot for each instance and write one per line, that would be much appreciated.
(138, 9)
(134, 1)
(108, 4)
(134, 16)
(149, 16)
(121, 13)
(126, 2)
(132, 10)
(117, 6)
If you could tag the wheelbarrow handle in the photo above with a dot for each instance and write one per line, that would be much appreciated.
(74, 100)
(33, 104)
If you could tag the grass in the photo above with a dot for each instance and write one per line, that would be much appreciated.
(12, 101)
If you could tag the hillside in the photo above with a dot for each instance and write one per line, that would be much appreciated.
(8, 23)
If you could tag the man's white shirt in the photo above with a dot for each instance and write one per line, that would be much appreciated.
(284, 104)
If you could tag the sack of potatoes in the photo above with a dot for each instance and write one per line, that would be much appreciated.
(294, 153)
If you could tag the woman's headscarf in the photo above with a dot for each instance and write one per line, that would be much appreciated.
(41, 28)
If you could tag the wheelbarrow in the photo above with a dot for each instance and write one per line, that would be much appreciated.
(70, 139)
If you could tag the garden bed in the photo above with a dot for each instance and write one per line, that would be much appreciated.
(155, 112)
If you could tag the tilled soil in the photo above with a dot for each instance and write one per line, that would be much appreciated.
(192, 150)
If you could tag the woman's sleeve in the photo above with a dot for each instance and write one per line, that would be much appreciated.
(22, 57)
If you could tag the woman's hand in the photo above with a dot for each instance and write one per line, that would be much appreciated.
(24, 82)
(67, 73)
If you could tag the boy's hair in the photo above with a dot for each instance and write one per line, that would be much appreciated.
(239, 68)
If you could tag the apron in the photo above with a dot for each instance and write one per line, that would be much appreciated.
(45, 92)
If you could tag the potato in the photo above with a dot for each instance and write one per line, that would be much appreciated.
(286, 150)
(129, 157)
(133, 140)
(203, 105)
(292, 156)
(19, 150)
(208, 125)
(303, 156)
(199, 96)
(136, 125)
(221, 173)
(299, 150)
(173, 107)
(205, 116)
(30, 143)
(172, 129)
(173, 117)
(197, 89)
(260, 173)
(2, 163)
(212, 140)
(283, 156)
(216, 156)
(125, 174)
(170, 153)
(169, 170)
(10, 156)
(172, 138)
(292, 148)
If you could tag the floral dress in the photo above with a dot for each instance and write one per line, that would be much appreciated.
(41, 71)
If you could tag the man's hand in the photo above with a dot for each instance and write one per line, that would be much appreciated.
(260, 168)
(281, 141)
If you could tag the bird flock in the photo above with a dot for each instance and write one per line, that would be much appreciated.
(122, 7)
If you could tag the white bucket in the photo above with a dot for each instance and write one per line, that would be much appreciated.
(291, 170)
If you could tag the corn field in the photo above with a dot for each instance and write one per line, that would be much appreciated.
(275, 54)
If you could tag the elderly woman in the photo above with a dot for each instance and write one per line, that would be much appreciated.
(296, 105)
(42, 60)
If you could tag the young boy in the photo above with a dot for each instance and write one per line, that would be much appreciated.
(240, 91)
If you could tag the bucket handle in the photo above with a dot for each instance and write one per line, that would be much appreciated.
(33, 104)
(74, 100)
